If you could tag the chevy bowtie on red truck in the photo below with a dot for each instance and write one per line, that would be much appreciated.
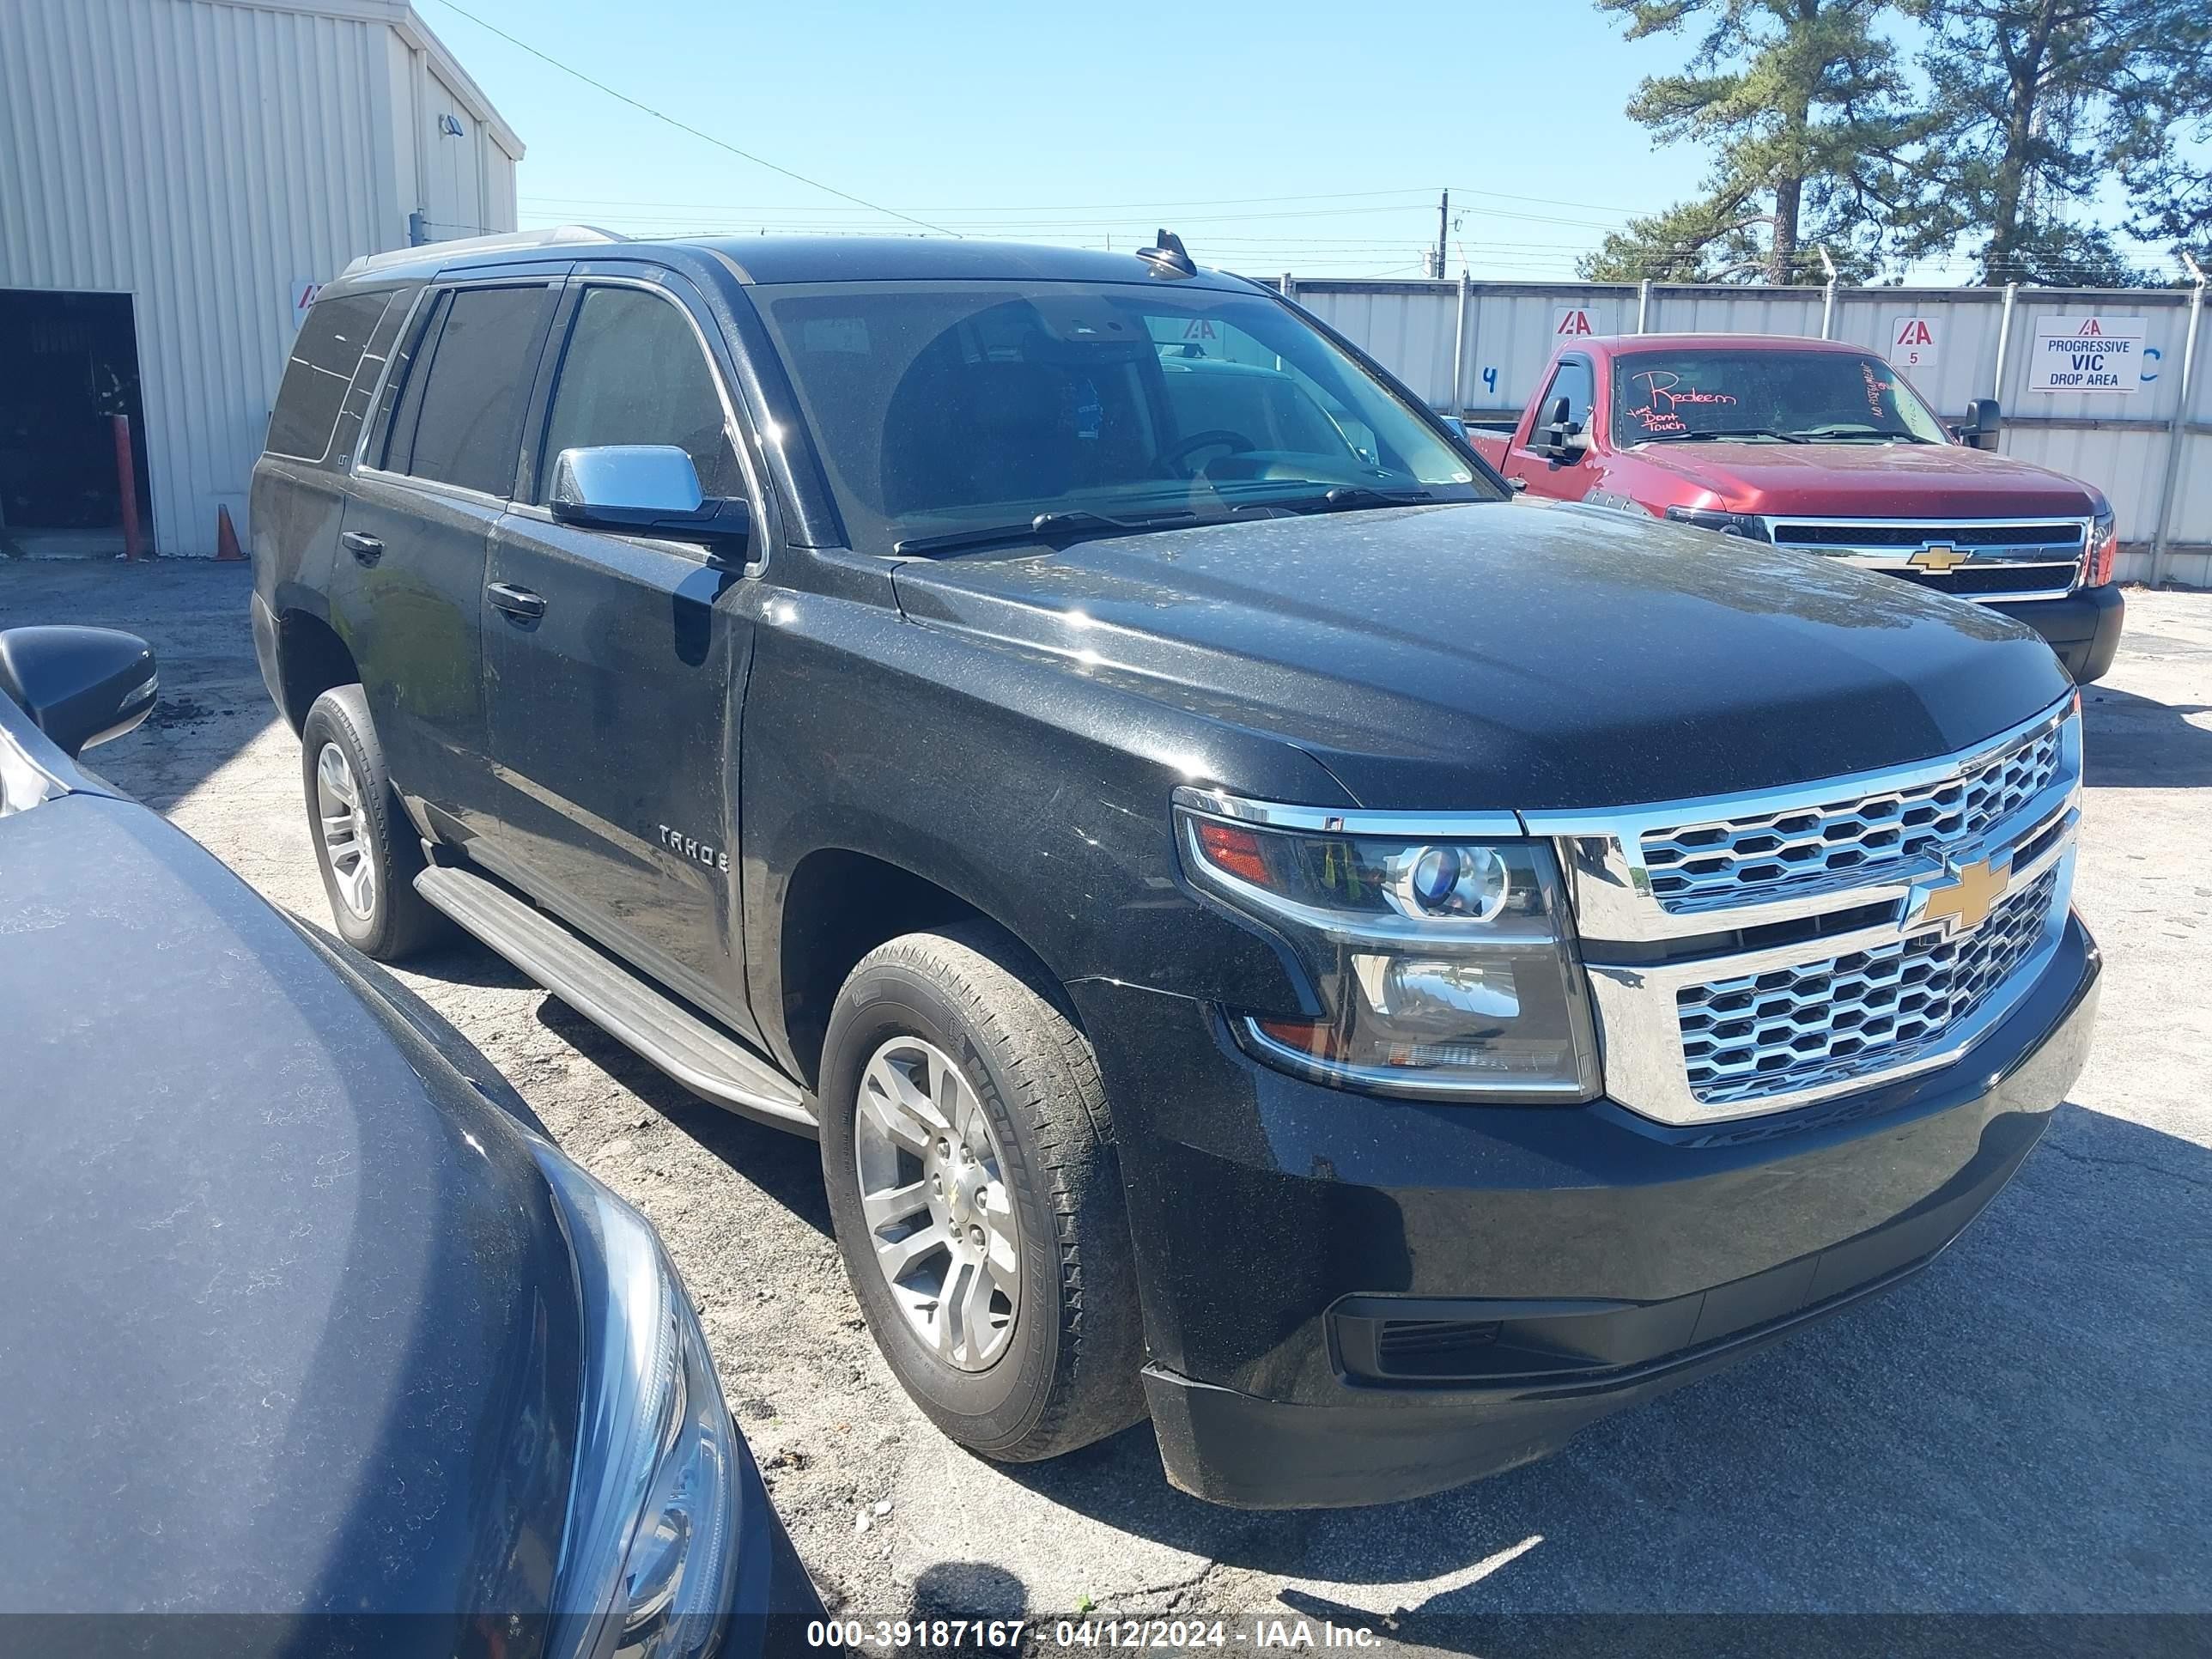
(1822, 448)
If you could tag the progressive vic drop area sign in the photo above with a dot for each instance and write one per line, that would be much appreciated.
(2087, 354)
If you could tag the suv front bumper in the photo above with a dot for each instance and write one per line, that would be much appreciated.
(1354, 1300)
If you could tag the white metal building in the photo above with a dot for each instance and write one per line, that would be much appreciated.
(175, 176)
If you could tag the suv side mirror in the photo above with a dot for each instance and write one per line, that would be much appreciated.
(641, 489)
(1982, 424)
(79, 685)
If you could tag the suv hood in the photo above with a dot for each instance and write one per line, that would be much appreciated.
(1869, 481)
(291, 1320)
(1491, 656)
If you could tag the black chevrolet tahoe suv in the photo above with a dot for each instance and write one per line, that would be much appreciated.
(1270, 934)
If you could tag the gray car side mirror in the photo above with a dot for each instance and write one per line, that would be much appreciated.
(79, 685)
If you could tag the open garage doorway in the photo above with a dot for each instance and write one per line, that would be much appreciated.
(71, 478)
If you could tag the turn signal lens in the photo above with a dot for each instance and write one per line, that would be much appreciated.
(1235, 850)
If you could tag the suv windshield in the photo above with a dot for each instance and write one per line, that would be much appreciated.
(1822, 397)
(940, 407)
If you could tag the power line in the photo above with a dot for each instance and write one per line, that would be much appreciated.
(685, 126)
(1042, 207)
(1141, 207)
(789, 219)
(1557, 201)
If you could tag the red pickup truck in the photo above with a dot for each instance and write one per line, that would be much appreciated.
(1823, 448)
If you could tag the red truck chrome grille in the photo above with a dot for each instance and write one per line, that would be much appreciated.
(1973, 558)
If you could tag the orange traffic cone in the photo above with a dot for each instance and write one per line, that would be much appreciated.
(226, 538)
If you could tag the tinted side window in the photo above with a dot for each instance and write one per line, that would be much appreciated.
(404, 388)
(365, 379)
(634, 374)
(325, 359)
(1574, 383)
(467, 419)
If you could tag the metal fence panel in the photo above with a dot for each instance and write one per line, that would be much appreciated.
(1962, 323)
(1734, 310)
(1408, 326)
(1512, 328)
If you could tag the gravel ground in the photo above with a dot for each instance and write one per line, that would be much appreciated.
(2023, 1426)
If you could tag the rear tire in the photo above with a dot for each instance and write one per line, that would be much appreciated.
(368, 851)
(1047, 1359)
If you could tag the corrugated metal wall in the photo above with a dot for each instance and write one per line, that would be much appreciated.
(206, 159)
(2122, 442)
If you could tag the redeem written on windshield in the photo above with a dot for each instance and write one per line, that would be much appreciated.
(1784, 396)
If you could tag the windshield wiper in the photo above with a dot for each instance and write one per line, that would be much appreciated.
(1726, 432)
(1339, 498)
(1073, 525)
(1839, 432)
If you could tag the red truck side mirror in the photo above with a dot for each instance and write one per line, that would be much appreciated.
(1563, 438)
(1981, 425)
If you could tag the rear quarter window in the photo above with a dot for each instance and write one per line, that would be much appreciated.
(325, 359)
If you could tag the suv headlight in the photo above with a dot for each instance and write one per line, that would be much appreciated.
(1443, 966)
(649, 1554)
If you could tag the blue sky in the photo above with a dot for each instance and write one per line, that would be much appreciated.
(1297, 137)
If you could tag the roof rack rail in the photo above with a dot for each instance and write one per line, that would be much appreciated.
(558, 236)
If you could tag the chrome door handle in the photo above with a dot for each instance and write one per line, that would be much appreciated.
(518, 602)
(365, 550)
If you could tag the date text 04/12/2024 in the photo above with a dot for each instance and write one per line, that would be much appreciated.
(1159, 1635)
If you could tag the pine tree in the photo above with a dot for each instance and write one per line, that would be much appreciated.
(1802, 103)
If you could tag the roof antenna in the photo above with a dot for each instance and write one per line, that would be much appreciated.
(1168, 256)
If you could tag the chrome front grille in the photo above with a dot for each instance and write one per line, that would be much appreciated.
(1725, 861)
(1970, 558)
(1791, 1028)
(1754, 953)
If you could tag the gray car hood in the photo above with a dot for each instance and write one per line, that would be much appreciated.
(290, 1321)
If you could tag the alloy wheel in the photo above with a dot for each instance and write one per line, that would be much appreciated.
(343, 827)
(940, 1220)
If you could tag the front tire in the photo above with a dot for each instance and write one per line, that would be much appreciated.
(368, 851)
(976, 1198)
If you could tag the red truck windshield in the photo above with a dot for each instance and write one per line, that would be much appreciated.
(1782, 397)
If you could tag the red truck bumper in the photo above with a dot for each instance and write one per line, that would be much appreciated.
(2083, 628)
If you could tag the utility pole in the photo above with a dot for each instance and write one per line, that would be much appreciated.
(1443, 230)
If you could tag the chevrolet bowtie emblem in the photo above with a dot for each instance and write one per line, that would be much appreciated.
(1960, 900)
(1939, 558)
